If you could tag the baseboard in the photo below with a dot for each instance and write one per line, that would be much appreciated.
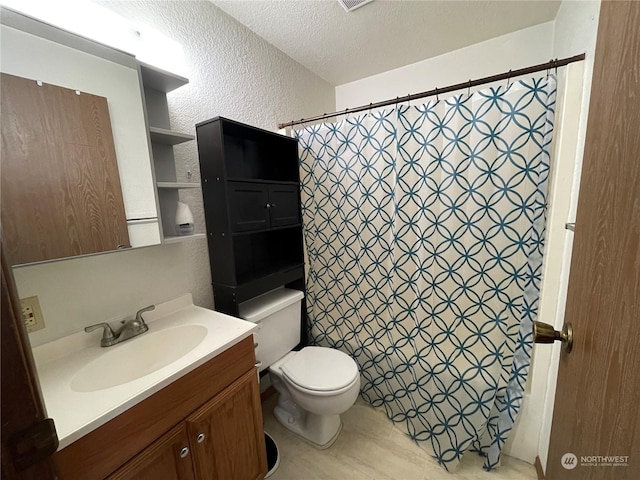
(267, 393)
(539, 470)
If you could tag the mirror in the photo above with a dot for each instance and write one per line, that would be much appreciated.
(37, 51)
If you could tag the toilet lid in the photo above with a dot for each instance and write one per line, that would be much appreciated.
(321, 369)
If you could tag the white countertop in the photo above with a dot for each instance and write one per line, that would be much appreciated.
(77, 413)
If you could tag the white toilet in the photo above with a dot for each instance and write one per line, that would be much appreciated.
(316, 384)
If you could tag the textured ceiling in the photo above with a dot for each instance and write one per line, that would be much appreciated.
(341, 47)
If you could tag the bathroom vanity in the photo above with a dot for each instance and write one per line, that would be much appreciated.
(198, 416)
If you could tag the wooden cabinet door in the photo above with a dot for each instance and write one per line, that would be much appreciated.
(285, 205)
(61, 193)
(168, 458)
(248, 206)
(227, 434)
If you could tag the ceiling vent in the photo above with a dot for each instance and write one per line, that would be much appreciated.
(351, 5)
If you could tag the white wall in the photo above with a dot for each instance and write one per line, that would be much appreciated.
(232, 73)
(573, 32)
(515, 50)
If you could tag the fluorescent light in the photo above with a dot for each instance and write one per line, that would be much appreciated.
(100, 24)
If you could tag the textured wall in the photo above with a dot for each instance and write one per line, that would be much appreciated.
(233, 73)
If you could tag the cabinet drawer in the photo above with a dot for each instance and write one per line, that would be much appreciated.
(248, 206)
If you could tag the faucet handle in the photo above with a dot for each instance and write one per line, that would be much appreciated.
(107, 334)
(141, 311)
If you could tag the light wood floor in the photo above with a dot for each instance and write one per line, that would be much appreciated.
(370, 447)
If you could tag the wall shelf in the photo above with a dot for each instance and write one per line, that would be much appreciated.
(161, 80)
(157, 83)
(255, 180)
(168, 137)
(272, 229)
(177, 185)
(182, 238)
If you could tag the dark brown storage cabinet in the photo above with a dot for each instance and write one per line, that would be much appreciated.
(251, 191)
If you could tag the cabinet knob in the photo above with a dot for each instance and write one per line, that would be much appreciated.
(184, 452)
(258, 364)
(268, 205)
(200, 438)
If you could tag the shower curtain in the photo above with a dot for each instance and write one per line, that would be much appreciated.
(424, 229)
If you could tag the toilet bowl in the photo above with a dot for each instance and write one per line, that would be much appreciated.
(316, 384)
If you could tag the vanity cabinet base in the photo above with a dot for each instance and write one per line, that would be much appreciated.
(224, 388)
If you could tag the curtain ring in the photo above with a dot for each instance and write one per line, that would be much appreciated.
(555, 64)
(508, 79)
(469, 89)
(437, 95)
(409, 100)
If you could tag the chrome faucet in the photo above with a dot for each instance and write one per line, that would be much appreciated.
(129, 329)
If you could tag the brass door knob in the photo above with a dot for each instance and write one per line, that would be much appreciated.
(544, 333)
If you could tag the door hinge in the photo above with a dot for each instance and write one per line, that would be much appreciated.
(34, 443)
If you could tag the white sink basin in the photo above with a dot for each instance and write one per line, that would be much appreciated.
(138, 357)
(84, 386)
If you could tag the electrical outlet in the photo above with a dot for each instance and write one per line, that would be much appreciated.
(31, 314)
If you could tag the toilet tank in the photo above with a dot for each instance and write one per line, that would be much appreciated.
(277, 314)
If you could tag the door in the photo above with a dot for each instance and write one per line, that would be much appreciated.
(22, 406)
(227, 435)
(596, 423)
(168, 458)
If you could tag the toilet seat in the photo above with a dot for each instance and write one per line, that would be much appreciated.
(320, 370)
(320, 393)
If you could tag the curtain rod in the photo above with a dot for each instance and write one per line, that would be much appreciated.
(437, 91)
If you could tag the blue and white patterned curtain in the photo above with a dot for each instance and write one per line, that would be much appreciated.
(424, 228)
